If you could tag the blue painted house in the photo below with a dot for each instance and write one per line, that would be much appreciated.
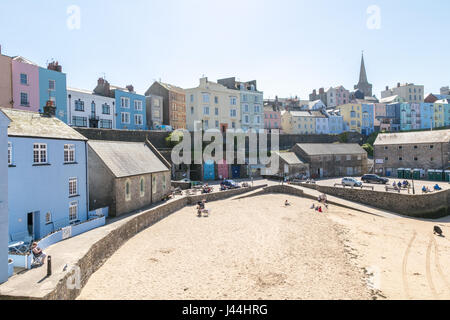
(130, 109)
(368, 117)
(335, 121)
(426, 115)
(53, 87)
(4, 122)
(47, 175)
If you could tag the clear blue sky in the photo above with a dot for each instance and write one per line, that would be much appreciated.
(289, 46)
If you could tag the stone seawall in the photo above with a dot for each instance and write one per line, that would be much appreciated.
(104, 248)
(429, 206)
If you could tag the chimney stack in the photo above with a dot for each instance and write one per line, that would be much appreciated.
(398, 84)
(54, 65)
(49, 109)
(387, 88)
(130, 88)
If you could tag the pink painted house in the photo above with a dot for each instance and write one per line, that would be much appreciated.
(25, 83)
(272, 118)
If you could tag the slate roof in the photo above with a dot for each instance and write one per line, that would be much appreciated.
(413, 137)
(290, 157)
(33, 124)
(171, 87)
(313, 149)
(126, 159)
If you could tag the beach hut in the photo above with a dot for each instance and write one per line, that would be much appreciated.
(400, 173)
(208, 170)
(416, 174)
(447, 175)
(439, 175)
(407, 173)
(430, 174)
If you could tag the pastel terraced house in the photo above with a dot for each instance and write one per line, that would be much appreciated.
(440, 110)
(251, 106)
(4, 225)
(212, 106)
(25, 83)
(47, 173)
(130, 107)
(352, 116)
(89, 110)
(272, 117)
(53, 87)
(6, 100)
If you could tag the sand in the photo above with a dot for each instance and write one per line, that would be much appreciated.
(255, 248)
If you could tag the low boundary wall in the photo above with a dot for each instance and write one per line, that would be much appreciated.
(430, 206)
(104, 248)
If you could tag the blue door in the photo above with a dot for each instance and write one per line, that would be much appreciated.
(235, 171)
(208, 171)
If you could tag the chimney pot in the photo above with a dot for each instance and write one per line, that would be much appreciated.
(398, 84)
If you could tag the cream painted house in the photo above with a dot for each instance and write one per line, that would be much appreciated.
(214, 105)
(299, 122)
(409, 92)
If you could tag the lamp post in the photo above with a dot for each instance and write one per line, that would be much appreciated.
(412, 179)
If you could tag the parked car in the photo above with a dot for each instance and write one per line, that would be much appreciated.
(229, 184)
(351, 182)
(373, 178)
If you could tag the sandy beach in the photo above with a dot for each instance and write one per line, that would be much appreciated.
(255, 248)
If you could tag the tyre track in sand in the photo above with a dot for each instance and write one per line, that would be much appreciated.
(405, 262)
(438, 265)
(428, 267)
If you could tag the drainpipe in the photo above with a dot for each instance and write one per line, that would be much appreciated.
(87, 180)
(69, 121)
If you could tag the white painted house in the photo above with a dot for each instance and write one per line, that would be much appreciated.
(89, 110)
(4, 233)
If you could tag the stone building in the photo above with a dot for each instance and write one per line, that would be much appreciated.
(291, 165)
(332, 159)
(424, 150)
(126, 176)
(174, 103)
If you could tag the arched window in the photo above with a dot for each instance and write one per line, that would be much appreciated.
(127, 191)
(142, 186)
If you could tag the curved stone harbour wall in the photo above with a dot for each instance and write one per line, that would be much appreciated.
(105, 247)
(430, 206)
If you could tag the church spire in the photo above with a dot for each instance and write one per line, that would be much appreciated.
(362, 72)
(363, 85)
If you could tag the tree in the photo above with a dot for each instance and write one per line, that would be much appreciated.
(174, 138)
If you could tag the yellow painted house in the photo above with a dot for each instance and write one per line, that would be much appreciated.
(352, 116)
(299, 122)
(439, 113)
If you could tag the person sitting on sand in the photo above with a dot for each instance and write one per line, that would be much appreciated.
(424, 190)
(399, 185)
(436, 187)
(313, 206)
(320, 209)
(286, 203)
